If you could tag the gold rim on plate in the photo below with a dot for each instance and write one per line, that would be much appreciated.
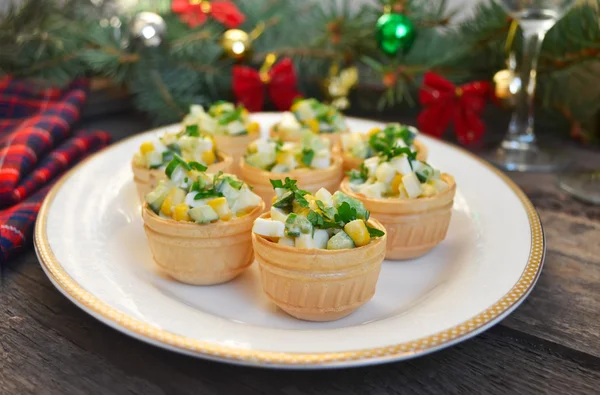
(416, 347)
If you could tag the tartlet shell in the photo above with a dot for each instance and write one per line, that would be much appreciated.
(310, 180)
(147, 179)
(316, 284)
(413, 226)
(201, 254)
(235, 146)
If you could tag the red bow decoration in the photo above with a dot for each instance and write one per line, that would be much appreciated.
(195, 13)
(445, 103)
(249, 86)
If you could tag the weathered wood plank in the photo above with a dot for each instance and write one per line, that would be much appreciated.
(49, 345)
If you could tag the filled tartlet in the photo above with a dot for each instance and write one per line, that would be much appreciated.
(149, 162)
(309, 161)
(310, 114)
(319, 255)
(408, 196)
(229, 125)
(357, 146)
(198, 224)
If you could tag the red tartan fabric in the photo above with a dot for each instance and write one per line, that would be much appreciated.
(37, 144)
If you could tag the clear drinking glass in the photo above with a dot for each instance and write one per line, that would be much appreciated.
(519, 150)
(583, 185)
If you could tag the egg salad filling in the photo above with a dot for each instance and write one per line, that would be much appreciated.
(310, 114)
(191, 195)
(363, 146)
(312, 152)
(222, 118)
(396, 174)
(189, 144)
(324, 221)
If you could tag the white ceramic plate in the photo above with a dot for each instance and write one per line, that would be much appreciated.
(90, 241)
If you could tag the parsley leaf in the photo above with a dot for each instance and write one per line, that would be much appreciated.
(346, 213)
(359, 175)
(315, 219)
(307, 156)
(192, 131)
(396, 151)
(276, 183)
(231, 116)
(237, 184)
(299, 197)
(320, 205)
(374, 232)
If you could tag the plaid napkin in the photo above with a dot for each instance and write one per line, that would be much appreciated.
(37, 144)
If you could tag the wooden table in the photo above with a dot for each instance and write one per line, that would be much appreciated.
(551, 344)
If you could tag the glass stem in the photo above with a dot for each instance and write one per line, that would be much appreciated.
(520, 134)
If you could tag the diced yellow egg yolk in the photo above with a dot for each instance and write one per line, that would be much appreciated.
(298, 209)
(221, 207)
(245, 113)
(165, 208)
(252, 148)
(180, 212)
(253, 127)
(373, 131)
(396, 183)
(209, 157)
(295, 106)
(274, 199)
(193, 174)
(357, 230)
(281, 157)
(146, 147)
(313, 124)
(174, 197)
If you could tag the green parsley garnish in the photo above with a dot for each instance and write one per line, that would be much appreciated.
(192, 131)
(359, 175)
(231, 116)
(307, 156)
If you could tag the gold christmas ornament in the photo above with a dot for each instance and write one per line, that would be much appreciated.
(236, 43)
(338, 86)
(506, 85)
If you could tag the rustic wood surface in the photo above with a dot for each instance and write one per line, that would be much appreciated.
(551, 344)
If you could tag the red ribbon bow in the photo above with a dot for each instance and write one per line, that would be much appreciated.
(248, 86)
(195, 13)
(446, 103)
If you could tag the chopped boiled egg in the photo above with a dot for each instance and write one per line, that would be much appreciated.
(268, 228)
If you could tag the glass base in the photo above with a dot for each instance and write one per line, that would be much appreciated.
(582, 185)
(531, 158)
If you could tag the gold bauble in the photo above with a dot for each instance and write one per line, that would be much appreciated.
(506, 85)
(236, 43)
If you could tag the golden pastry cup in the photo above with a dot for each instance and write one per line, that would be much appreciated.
(350, 162)
(147, 179)
(201, 254)
(334, 138)
(236, 147)
(310, 180)
(413, 226)
(317, 284)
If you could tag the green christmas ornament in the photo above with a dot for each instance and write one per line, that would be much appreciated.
(395, 32)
